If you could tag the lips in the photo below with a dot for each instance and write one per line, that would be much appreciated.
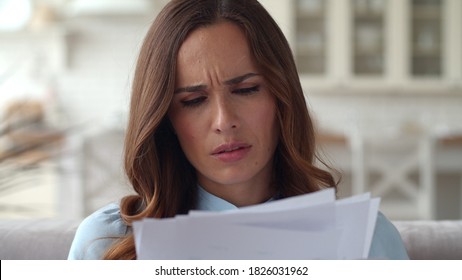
(231, 152)
(226, 148)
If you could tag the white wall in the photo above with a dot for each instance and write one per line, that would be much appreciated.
(95, 87)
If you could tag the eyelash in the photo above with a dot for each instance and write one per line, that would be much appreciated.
(193, 102)
(198, 101)
(246, 91)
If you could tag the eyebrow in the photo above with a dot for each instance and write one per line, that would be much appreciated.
(229, 82)
(190, 89)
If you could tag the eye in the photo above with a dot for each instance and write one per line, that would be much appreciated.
(193, 102)
(246, 91)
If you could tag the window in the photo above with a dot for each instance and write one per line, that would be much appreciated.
(368, 37)
(426, 45)
(311, 36)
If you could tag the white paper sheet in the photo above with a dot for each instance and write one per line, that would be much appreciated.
(184, 240)
(312, 226)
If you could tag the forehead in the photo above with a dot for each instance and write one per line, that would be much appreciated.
(221, 46)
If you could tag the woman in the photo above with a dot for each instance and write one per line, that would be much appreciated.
(218, 120)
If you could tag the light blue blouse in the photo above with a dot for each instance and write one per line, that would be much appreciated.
(98, 231)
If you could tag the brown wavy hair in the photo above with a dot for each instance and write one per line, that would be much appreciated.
(164, 180)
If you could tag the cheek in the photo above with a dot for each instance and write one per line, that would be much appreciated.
(268, 117)
(265, 121)
(185, 129)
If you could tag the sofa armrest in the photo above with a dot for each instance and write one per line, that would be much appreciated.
(36, 239)
(436, 240)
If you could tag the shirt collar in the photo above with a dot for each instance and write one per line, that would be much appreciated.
(209, 202)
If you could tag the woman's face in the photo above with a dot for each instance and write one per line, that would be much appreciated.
(222, 112)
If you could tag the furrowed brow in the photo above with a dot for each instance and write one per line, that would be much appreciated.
(232, 81)
(240, 79)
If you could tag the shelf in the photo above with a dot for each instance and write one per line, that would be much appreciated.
(425, 13)
(385, 41)
(310, 16)
(369, 55)
(311, 39)
(311, 64)
(435, 53)
(310, 23)
(369, 48)
(307, 49)
(310, 8)
(369, 16)
(368, 7)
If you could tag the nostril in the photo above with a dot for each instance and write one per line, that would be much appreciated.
(225, 117)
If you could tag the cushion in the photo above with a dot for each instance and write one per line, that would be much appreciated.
(440, 240)
(36, 239)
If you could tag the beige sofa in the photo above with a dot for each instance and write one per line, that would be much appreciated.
(432, 240)
(51, 239)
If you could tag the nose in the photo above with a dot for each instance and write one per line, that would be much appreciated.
(225, 116)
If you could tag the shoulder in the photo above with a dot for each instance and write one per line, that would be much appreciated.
(97, 232)
(386, 241)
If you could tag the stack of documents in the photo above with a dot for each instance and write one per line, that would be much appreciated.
(311, 226)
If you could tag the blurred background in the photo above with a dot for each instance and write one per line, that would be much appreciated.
(383, 80)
